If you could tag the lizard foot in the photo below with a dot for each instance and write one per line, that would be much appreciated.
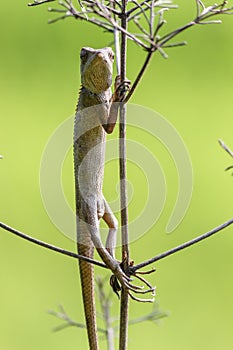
(121, 88)
(120, 280)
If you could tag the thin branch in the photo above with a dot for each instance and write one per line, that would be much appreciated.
(183, 246)
(124, 307)
(140, 27)
(151, 22)
(118, 3)
(51, 21)
(122, 143)
(229, 151)
(211, 22)
(50, 246)
(71, 11)
(142, 11)
(162, 42)
(162, 52)
(51, 9)
(105, 306)
(68, 253)
(154, 316)
(148, 57)
(225, 147)
(199, 5)
(116, 42)
(111, 10)
(156, 13)
(160, 24)
(167, 37)
(95, 21)
(35, 3)
(105, 14)
(200, 19)
(159, 4)
(229, 168)
(128, 13)
(128, 34)
(182, 43)
(139, 76)
(109, 25)
(62, 315)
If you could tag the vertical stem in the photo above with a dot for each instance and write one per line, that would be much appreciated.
(105, 306)
(123, 190)
(116, 41)
(124, 311)
(122, 146)
(124, 209)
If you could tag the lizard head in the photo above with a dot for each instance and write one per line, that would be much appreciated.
(96, 68)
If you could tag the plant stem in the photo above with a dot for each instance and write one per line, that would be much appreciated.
(139, 76)
(124, 308)
(105, 304)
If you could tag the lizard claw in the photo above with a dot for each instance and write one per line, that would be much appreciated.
(120, 280)
(140, 300)
(121, 88)
(115, 285)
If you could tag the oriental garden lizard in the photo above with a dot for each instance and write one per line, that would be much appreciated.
(96, 115)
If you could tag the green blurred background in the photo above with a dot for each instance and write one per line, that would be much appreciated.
(39, 77)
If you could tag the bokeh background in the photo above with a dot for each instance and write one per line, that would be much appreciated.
(39, 79)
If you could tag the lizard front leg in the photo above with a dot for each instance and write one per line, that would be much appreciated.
(120, 89)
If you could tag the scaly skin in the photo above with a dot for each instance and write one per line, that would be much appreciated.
(95, 116)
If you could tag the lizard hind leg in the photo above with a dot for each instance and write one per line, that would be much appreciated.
(112, 223)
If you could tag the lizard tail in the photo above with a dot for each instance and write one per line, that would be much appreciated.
(87, 283)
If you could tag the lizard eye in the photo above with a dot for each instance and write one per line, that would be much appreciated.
(111, 55)
(83, 55)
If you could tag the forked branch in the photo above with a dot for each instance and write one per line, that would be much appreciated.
(106, 14)
(133, 269)
(68, 321)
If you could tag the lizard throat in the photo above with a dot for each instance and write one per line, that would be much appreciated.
(97, 82)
